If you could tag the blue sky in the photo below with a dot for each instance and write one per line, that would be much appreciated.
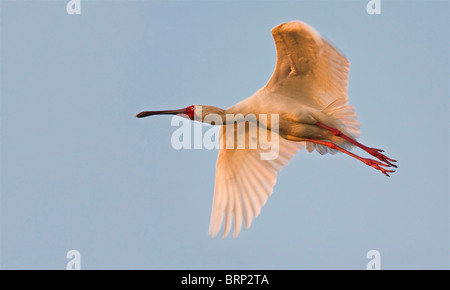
(80, 172)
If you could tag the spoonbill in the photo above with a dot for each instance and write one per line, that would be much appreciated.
(308, 91)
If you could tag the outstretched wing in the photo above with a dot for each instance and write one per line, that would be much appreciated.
(308, 67)
(244, 180)
(310, 70)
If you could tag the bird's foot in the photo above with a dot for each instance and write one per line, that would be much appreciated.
(372, 151)
(378, 165)
(377, 153)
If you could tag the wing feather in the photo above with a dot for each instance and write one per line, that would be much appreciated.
(238, 209)
(229, 210)
(308, 66)
(249, 212)
(244, 182)
(310, 70)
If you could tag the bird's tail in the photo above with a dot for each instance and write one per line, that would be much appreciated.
(346, 117)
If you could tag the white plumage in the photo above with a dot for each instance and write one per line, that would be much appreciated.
(308, 93)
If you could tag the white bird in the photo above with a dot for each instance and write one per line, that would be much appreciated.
(308, 93)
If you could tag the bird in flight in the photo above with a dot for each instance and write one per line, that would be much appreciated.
(308, 93)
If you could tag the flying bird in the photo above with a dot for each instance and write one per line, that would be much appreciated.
(308, 93)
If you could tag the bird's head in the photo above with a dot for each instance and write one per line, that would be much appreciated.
(192, 112)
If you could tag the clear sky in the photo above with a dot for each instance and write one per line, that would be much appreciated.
(80, 172)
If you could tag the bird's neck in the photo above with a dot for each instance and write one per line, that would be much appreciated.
(217, 116)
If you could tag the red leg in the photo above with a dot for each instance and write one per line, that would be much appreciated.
(372, 151)
(373, 163)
